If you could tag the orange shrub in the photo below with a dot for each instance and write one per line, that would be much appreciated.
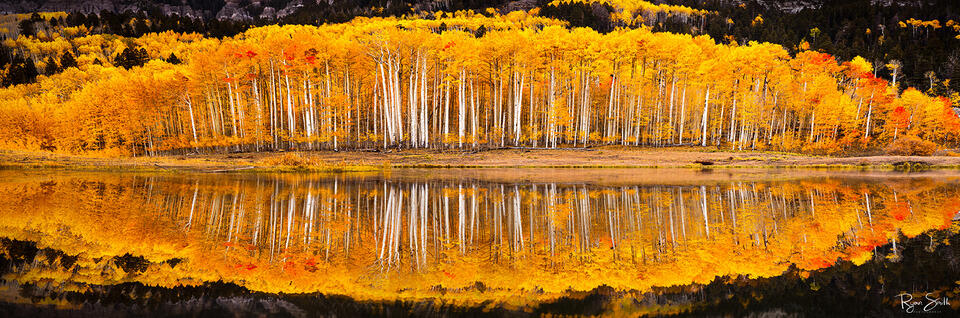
(825, 147)
(910, 145)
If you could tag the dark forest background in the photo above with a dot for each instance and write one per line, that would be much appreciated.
(844, 28)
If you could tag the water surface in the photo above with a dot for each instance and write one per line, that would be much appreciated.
(510, 239)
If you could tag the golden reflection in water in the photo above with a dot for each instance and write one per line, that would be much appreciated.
(375, 237)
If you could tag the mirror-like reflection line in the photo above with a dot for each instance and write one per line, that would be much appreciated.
(386, 238)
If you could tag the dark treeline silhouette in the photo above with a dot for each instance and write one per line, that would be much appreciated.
(924, 264)
(843, 28)
(848, 28)
(134, 24)
(839, 27)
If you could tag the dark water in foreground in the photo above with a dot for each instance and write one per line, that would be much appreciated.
(515, 242)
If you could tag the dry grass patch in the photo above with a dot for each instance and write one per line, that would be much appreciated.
(289, 160)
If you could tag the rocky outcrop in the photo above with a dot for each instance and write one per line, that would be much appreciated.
(97, 6)
(795, 6)
(184, 11)
(8, 7)
(291, 7)
(268, 13)
(88, 7)
(233, 11)
(524, 5)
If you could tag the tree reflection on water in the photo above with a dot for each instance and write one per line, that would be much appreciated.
(352, 244)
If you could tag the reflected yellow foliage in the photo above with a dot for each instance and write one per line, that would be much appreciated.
(463, 241)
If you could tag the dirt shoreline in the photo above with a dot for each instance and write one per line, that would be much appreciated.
(602, 157)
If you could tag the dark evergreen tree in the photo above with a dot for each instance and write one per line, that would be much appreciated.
(67, 60)
(51, 67)
(26, 28)
(131, 57)
(173, 59)
(21, 71)
(4, 56)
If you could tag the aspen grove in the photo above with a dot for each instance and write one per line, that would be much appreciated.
(466, 81)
